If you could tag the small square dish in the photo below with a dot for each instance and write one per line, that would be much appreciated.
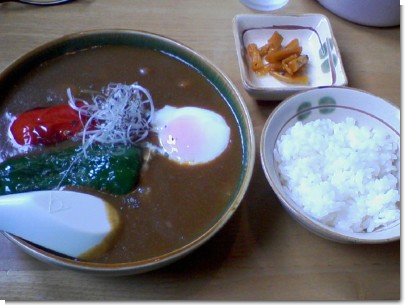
(314, 33)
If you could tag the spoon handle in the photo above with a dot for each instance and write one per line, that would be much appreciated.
(67, 222)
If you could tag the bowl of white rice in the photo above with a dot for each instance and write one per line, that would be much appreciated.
(332, 156)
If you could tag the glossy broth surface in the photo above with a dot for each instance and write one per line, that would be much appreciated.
(172, 205)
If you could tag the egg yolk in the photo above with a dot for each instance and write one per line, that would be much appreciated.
(191, 135)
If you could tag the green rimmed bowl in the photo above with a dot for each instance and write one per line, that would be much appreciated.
(84, 40)
(337, 104)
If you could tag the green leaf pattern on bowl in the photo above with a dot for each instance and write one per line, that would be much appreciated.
(323, 54)
(304, 110)
(325, 101)
(325, 106)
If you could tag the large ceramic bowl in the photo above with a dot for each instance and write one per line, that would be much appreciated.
(337, 104)
(375, 13)
(87, 40)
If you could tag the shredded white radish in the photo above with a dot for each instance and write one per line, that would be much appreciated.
(120, 114)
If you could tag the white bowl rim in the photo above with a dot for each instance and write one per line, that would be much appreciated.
(310, 223)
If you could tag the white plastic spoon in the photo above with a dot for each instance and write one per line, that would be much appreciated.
(71, 223)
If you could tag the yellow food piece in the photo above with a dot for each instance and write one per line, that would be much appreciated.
(256, 62)
(275, 41)
(285, 63)
(276, 56)
(293, 63)
(293, 79)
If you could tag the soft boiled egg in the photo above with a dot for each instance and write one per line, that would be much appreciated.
(191, 135)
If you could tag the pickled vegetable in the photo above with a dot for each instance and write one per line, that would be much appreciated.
(284, 63)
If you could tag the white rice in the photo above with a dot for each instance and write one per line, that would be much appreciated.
(341, 174)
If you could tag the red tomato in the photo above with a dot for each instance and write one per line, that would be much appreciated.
(46, 125)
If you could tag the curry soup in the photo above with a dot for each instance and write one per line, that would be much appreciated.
(173, 204)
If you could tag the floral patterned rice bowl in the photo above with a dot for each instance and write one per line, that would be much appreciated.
(337, 104)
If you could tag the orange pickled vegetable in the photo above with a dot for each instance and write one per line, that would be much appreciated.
(275, 56)
(275, 41)
(267, 68)
(264, 50)
(285, 63)
(293, 63)
(293, 44)
(294, 79)
(256, 62)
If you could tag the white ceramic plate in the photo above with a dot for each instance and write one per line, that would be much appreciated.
(314, 32)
